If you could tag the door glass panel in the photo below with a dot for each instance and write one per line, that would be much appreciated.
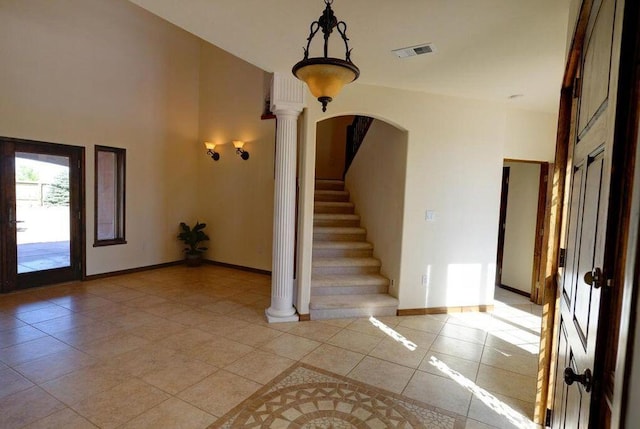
(42, 211)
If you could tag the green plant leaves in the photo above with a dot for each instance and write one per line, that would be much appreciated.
(192, 237)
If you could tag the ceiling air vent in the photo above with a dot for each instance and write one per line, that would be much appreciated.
(412, 51)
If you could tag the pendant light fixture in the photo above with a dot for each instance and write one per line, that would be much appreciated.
(325, 76)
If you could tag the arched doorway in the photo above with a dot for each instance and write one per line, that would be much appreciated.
(357, 219)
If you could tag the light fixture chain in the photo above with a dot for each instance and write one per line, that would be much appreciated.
(327, 21)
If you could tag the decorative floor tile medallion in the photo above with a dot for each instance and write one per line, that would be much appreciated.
(307, 397)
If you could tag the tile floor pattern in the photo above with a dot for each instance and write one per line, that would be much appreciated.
(180, 347)
(308, 397)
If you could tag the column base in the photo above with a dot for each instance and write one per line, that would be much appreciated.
(276, 318)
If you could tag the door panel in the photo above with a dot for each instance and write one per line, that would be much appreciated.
(586, 294)
(560, 397)
(570, 274)
(576, 398)
(8, 264)
(580, 301)
(583, 278)
(597, 65)
(41, 200)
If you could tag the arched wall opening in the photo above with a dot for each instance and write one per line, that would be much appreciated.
(455, 153)
(375, 181)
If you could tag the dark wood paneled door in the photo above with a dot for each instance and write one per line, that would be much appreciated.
(41, 206)
(584, 276)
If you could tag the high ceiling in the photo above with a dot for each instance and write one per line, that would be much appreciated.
(486, 49)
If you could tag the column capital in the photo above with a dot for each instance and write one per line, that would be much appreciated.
(287, 94)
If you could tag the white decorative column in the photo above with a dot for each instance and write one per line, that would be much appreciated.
(287, 101)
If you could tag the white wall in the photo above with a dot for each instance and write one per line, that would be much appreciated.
(86, 72)
(454, 165)
(379, 197)
(330, 147)
(236, 196)
(528, 135)
(105, 72)
(520, 231)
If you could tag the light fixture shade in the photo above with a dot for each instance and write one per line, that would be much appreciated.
(209, 145)
(325, 77)
(238, 144)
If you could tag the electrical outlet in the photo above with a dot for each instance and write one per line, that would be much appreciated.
(425, 279)
(430, 215)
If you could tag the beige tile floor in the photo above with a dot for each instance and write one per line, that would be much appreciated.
(179, 347)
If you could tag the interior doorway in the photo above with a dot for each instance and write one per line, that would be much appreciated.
(41, 232)
(522, 214)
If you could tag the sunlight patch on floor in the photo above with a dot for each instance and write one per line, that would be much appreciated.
(495, 404)
(515, 340)
(393, 334)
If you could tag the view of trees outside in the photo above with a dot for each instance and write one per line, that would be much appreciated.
(26, 173)
(57, 193)
(31, 190)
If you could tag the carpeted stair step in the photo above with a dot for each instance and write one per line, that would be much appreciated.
(342, 249)
(333, 207)
(363, 284)
(346, 306)
(336, 219)
(330, 185)
(345, 280)
(323, 266)
(324, 195)
(331, 233)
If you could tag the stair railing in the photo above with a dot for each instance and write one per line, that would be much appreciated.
(355, 136)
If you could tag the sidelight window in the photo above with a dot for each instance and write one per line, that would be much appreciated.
(109, 196)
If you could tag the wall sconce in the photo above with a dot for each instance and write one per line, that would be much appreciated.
(211, 150)
(238, 144)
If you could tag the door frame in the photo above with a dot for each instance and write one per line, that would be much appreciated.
(502, 223)
(11, 280)
(616, 317)
(627, 198)
(536, 292)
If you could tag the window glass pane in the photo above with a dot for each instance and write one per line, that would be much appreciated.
(107, 198)
(42, 211)
(109, 195)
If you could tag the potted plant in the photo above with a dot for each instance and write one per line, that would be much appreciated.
(192, 237)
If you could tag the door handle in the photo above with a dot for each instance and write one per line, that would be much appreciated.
(12, 220)
(593, 277)
(585, 378)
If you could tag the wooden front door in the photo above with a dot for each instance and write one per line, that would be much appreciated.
(41, 232)
(584, 276)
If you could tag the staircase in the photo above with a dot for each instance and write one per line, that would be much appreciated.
(345, 280)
